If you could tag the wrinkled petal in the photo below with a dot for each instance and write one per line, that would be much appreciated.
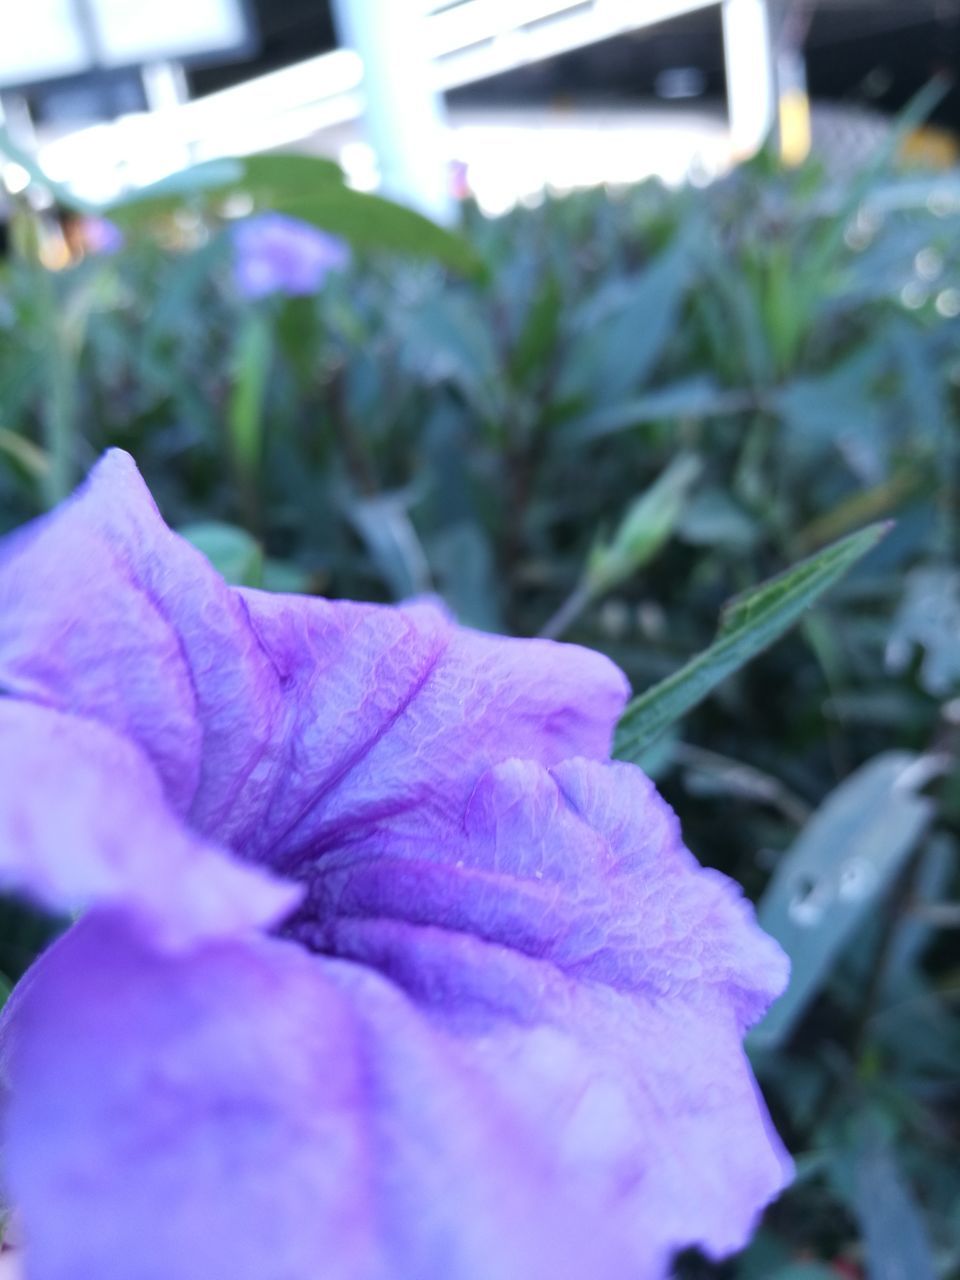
(530, 1008)
(565, 927)
(253, 1112)
(399, 714)
(84, 821)
(275, 722)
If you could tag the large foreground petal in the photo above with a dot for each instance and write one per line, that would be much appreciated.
(253, 1112)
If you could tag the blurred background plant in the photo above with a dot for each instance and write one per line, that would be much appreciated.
(599, 418)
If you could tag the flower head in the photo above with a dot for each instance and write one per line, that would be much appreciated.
(277, 254)
(101, 235)
(384, 969)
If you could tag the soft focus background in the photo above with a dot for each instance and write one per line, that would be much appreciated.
(667, 296)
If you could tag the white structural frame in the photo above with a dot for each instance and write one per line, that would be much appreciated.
(403, 106)
(751, 74)
(464, 43)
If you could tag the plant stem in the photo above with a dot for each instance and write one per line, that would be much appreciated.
(571, 609)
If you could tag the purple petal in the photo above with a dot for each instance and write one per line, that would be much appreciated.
(277, 724)
(582, 866)
(274, 253)
(84, 821)
(251, 1112)
(576, 987)
(102, 236)
(398, 714)
(563, 924)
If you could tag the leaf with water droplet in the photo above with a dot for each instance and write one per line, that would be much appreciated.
(844, 860)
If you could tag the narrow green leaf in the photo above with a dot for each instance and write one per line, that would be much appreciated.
(894, 1236)
(696, 397)
(29, 457)
(842, 863)
(648, 523)
(245, 416)
(538, 336)
(749, 624)
(383, 524)
(646, 526)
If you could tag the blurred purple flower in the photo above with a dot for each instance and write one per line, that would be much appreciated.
(277, 254)
(100, 235)
(384, 970)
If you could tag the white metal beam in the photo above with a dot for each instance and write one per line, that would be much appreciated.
(751, 75)
(468, 42)
(403, 107)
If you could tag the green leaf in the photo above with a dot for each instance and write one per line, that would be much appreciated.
(714, 519)
(306, 187)
(695, 397)
(538, 337)
(623, 331)
(28, 457)
(928, 620)
(372, 222)
(383, 524)
(446, 338)
(648, 523)
(285, 578)
(252, 355)
(894, 1236)
(233, 552)
(462, 561)
(263, 179)
(749, 624)
(282, 175)
(843, 862)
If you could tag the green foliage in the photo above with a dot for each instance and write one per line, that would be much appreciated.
(232, 551)
(844, 861)
(305, 187)
(748, 625)
(606, 418)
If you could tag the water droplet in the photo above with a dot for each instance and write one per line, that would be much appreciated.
(809, 901)
(928, 263)
(857, 879)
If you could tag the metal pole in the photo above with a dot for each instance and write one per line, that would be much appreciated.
(404, 111)
(751, 74)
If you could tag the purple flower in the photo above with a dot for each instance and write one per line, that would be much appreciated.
(277, 254)
(102, 236)
(384, 969)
